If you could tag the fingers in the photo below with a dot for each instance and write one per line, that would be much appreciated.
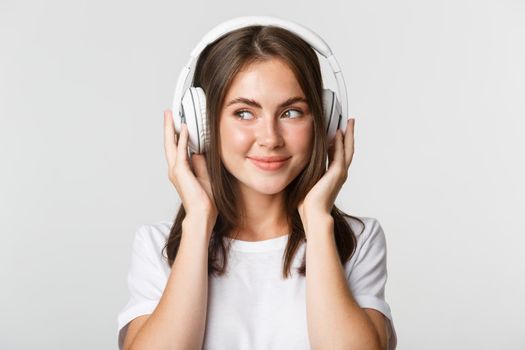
(199, 165)
(334, 151)
(341, 150)
(349, 142)
(339, 155)
(182, 147)
(170, 139)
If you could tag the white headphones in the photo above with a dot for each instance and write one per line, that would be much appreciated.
(192, 106)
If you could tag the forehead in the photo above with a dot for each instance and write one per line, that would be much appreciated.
(264, 78)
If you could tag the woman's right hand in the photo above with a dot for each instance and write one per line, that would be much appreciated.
(194, 189)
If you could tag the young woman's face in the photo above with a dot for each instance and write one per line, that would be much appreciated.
(273, 124)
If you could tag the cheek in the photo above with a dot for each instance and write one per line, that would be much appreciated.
(234, 139)
(300, 139)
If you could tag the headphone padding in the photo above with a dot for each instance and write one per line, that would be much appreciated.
(332, 113)
(192, 115)
(201, 120)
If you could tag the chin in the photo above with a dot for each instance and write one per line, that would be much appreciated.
(268, 187)
(270, 190)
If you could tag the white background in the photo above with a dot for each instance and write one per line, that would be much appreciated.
(438, 91)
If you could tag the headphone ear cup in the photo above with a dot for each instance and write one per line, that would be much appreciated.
(332, 113)
(194, 112)
(202, 121)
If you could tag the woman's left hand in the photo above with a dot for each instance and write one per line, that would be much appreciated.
(320, 199)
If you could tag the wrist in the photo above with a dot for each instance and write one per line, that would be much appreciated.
(316, 222)
(199, 226)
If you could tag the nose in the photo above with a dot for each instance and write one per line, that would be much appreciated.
(268, 133)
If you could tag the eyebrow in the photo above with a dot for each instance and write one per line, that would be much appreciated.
(254, 103)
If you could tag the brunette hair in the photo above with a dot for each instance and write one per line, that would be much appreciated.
(214, 72)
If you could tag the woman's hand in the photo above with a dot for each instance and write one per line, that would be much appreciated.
(320, 199)
(194, 189)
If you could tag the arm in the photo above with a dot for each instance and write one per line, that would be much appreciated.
(179, 320)
(335, 320)
(380, 323)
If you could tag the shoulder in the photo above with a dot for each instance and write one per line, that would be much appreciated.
(369, 228)
(369, 237)
(154, 234)
(150, 240)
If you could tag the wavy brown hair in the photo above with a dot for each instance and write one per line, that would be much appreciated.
(215, 70)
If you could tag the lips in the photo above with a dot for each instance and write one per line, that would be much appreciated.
(269, 163)
(270, 159)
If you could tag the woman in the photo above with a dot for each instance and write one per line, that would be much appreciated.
(238, 274)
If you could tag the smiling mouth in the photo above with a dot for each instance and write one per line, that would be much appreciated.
(269, 166)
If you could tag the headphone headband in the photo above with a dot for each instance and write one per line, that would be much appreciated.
(315, 41)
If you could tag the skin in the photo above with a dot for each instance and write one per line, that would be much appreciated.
(268, 130)
(264, 131)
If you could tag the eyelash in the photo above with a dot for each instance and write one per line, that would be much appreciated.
(244, 110)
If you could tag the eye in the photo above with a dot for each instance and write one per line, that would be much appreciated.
(294, 110)
(240, 115)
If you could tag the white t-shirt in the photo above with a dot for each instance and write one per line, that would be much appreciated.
(252, 306)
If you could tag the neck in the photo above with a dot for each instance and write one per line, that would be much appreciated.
(265, 216)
